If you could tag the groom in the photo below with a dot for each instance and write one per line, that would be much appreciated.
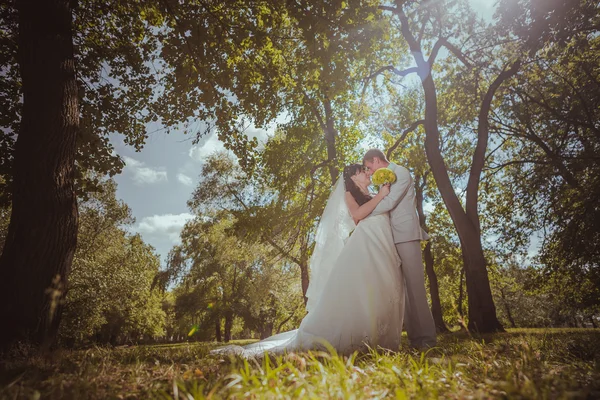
(407, 232)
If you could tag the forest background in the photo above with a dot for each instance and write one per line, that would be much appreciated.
(497, 120)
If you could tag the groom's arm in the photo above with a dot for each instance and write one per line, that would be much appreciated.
(397, 192)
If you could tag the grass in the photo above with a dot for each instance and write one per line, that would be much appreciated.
(521, 363)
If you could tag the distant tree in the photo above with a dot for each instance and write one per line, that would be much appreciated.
(220, 277)
(110, 297)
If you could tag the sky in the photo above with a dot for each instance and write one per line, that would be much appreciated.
(157, 182)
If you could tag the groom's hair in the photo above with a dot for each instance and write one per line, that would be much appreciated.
(372, 153)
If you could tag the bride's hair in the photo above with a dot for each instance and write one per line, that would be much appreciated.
(349, 172)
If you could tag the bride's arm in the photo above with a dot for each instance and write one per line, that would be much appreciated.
(361, 212)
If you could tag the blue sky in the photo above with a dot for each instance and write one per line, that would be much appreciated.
(158, 181)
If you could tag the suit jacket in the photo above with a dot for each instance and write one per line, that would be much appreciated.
(401, 203)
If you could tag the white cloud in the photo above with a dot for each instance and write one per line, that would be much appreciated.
(168, 225)
(260, 134)
(212, 144)
(186, 180)
(141, 174)
(201, 152)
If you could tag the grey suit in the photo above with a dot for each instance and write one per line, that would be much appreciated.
(407, 232)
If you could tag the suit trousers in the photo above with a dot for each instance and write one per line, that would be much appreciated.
(418, 321)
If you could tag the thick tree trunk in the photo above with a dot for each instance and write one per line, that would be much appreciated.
(218, 330)
(482, 311)
(42, 233)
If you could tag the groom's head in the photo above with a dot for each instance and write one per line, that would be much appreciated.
(375, 159)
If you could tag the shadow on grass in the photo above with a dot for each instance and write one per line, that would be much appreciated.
(567, 343)
(502, 362)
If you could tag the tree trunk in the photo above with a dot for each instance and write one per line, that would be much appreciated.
(436, 304)
(460, 293)
(228, 325)
(434, 291)
(593, 322)
(507, 309)
(267, 330)
(482, 311)
(305, 280)
(218, 330)
(42, 234)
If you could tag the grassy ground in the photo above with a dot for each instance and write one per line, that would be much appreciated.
(531, 363)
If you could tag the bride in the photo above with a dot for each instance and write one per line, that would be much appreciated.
(356, 292)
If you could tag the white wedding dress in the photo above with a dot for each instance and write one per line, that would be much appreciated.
(356, 293)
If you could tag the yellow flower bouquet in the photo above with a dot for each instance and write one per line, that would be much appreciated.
(383, 176)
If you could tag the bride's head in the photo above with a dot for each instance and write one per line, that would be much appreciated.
(356, 182)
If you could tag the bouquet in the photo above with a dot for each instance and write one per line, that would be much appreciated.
(383, 176)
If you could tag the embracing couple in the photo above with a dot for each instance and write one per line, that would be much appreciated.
(366, 270)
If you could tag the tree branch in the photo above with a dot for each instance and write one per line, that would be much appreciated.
(264, 237)
(393, 69)
(394, 10)
(286, 320)
(456, 51)
(403, 136)
(434, 51)
(482, 142)
(514, 162)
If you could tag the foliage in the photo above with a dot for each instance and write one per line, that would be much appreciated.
(522, 363)
(222, 277)
(115, 49)
(110, 297)
(326, 74)
(548, 131)
(236, 63)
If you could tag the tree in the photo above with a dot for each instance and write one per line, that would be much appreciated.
(110, 298)
(406, 149)
(276, 208)
(419, 35)
(61, 129)
(241, 63)
(222, 278)
(548, 124)
(115, 52)
(42, 234)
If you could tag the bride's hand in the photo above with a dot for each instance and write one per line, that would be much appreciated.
(384, 190)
